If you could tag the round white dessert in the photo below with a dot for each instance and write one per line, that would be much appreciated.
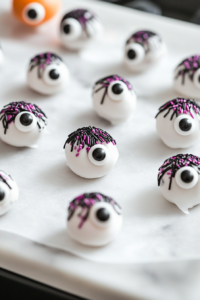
(184, 198)
(171, 134)
(115, 110)
(76, 34)
(186, 85)
(9, 192)
(139, 57)
(54, 78)
(83, 164)
(101, 226)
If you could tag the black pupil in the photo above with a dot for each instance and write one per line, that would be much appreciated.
(187, 176)
(117, 88)
(99, 154)
(199, 78)
(185, 124)
(32, 14)
(2, 194)
(102, 214)
(54, 74)
(26, 119)
(131, 54)
(67, 29)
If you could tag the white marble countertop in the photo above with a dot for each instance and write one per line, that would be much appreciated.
(154, 281)
(167, 280)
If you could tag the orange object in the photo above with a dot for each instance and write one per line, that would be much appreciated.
(35, 12)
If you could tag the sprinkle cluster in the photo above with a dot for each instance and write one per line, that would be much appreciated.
(4, 179)
(86, 201)
(188, 66)
(174, 163)
(82, 15)
(11, 110)
(142, 37)
(42, 60)
(179, 106)
(88, 136)
(105, 82)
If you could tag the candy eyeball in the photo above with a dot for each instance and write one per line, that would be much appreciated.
(94, 219)
(187, 77)
(9, 192)
(35, 12)
(177, 123)
(114, 99)
(1, 56)
(22, 124)
(143, 49)
(91, 152)
(179, 182)
(79, 27)
(47, 74)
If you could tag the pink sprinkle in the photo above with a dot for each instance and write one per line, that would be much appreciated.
(191, 115)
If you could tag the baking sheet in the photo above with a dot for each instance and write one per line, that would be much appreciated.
(153, 229)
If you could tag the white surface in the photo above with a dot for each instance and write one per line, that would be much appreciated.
(153, 230)
(154, 281)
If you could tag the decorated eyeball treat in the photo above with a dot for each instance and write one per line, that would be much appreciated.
(177, 123)
(114, 99)
(143, 49)
(94, 219)
(22, 124)
(35, 12)
(187, 77)
(9, 192)
(91, 152)
(179, 181)
(47, 74)
(78, 28)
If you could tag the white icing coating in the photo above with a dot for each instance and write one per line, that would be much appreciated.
(115, 110)
(45, 85)
(144, 60)
(172, 137)
(184, 198)
(189, 88)
(18, 136)
(10, 193)
(84, 167)
(80, 37)
(93, 231)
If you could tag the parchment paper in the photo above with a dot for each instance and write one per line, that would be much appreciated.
(153, 229)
